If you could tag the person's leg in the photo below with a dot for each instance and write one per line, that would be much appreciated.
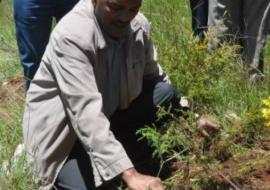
(143, 109)
(224, 21)
(76, 172)
(141, 112)
(255, 25)
(33, 25)
(199, 10)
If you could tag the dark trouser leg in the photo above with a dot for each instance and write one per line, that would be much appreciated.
(199, 10)
(142, 111)
(255, 24)
(77, 171)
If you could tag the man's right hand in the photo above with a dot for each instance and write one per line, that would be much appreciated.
(137, 181)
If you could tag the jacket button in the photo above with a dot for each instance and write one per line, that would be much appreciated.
(107, 174)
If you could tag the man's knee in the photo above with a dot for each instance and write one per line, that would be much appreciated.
(164, 93)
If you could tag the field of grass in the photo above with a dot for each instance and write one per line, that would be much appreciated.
(11, 105)
(215, 84)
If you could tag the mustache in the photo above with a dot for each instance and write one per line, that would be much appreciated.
(121, 24)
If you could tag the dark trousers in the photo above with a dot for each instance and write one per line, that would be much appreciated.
(199, 9)
(77, 172)
(33, 20)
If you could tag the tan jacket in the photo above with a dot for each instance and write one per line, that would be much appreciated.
(68, 97)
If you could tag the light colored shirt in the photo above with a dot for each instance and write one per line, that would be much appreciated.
(82, 79)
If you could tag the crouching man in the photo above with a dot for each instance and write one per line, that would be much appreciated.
(97, 79)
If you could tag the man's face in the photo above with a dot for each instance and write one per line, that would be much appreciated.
(114, 16)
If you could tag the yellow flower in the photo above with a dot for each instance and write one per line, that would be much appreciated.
(266, 112)
(267, 102)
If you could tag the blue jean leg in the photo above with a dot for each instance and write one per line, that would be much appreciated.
(33, 20)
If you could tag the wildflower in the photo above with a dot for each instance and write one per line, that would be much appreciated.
(266, 102)
(266, 112)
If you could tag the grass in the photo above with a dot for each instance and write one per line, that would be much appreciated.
(11, 104)
(8, 50)
(214, 83)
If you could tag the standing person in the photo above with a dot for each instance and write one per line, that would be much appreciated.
(243, 22)
(98, 80)
(199, 10)
(33, 21)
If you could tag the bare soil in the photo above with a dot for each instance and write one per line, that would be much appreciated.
(250, 171)
(12, 89)
(11, 94)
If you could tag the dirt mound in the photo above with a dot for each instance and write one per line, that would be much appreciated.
(11, 91)
(13, 87)
(251, 171)
(245, 172)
